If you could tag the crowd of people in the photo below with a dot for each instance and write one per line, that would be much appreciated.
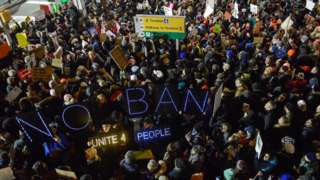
(269, 71)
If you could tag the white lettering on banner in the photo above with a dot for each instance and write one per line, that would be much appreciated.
(153, 134)
(110, 140)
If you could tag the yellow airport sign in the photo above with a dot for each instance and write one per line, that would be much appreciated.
(170, 24)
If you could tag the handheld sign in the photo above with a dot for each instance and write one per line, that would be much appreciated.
(259, 145)
(66, 174)
(57, 62)
(119, 58)
(208, 12)
(22, 40)
(253, 9)
(6, 174)
(39, 15)
(41, 74)
(105, 140)
(235, 11)
(4, 50)
(143, 155)
(5, 16)
(153, 135)
(310, 5)
(13, 94)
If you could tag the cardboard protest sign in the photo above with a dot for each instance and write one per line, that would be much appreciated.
(57, 62)
(22, 40)
(143, 155)
(6, 174)
(41, 74)
(13, 94)
(5, 16)
(4, 50)
(119, 58)
(66, 174)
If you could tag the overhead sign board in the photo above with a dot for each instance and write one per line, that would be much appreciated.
(152, 25)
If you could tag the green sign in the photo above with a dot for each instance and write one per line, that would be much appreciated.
(55, 8)
(64, 2)
(179, 36)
